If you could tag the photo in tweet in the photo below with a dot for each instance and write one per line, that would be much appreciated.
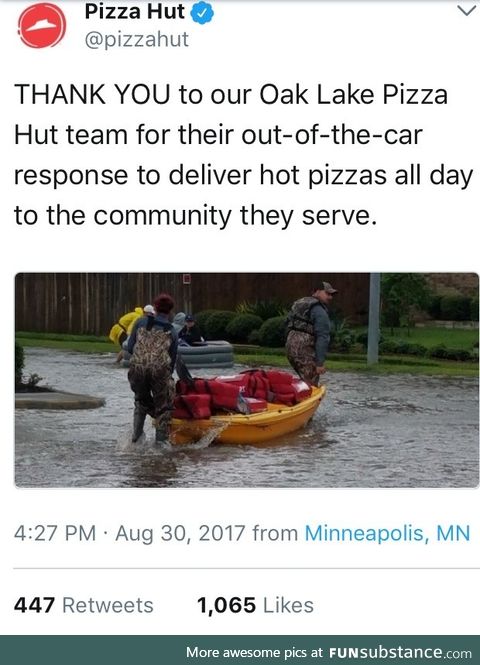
(273, 386)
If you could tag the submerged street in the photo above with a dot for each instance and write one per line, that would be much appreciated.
(370, 431)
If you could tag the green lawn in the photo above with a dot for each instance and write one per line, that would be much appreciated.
(388, 364)
(83, 343)
(257, 356)
(454, 338)
(64, 337)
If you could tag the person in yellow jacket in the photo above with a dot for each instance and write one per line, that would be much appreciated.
(121, 330)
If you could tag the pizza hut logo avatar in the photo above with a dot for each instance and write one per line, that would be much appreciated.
(41, 25)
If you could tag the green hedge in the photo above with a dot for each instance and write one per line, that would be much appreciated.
(342, 338)
(273, 332)
(392, 346)
(217, 322)
(434, 306)
(254, 337)
(455, 308)
(201, 319)
(240, 327)
(403, 348)
(444, 353)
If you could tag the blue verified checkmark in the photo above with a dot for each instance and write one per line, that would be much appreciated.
(202, 12)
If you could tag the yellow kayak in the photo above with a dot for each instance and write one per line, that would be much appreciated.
(256, 428)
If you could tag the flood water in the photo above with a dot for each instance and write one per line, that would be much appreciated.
(370, 431)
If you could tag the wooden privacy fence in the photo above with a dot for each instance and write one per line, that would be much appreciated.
(89, 303)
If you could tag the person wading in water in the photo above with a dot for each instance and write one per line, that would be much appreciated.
(153, 346)
(308, 326)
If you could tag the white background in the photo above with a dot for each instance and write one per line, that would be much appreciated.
(356, 589)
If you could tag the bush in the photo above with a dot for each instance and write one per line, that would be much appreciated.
(439, 351)
(241, 326)
(390, 316)
(433, 306)
(254, 337)
(202, 317)
(474, 309)
(445, 353)
(402, 295)
(362, 339)
(459, 354)
(273, 332)
(342, 337)
(217, 323)
(403, 348)
(455, 308)
(389, 346)
(265, 309)
(19, 363)
(417, 350)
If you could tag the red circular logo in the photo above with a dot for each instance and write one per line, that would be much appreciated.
(41, 25)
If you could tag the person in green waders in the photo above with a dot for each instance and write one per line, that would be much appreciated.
(308, 326)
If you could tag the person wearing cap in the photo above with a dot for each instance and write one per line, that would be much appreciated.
(153, 346)
(308, 326)
(149, 310)
(190, 333)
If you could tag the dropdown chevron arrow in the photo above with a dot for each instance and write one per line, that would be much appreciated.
(464, 11)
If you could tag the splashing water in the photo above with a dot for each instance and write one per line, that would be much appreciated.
(210, 435)
(125, 443)
(146, 444)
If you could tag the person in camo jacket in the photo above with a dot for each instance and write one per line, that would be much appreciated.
(308, 326)
(153, 345)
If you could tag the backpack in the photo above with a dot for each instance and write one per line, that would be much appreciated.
(152, 348)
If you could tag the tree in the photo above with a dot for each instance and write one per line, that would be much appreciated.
(402, 293)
